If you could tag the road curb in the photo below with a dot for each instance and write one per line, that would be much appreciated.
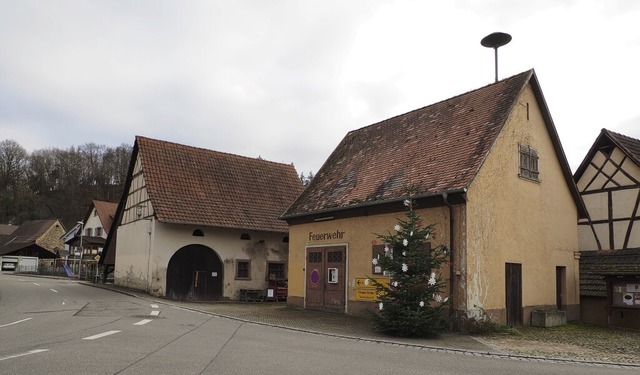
(431, 348)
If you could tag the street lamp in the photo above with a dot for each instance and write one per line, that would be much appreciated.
(81, 250)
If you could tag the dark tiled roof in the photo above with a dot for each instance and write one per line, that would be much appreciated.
(6, 229)
(86, 241)
(595, 265)
(190, 185)
(26, 235)
(434, 149)
(630, 146)
(106, 212)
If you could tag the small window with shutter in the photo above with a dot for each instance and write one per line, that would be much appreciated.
(528, 163)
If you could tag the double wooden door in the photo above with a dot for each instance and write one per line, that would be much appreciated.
(325, 278)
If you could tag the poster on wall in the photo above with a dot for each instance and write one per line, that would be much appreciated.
(633, 288)
(625, 293)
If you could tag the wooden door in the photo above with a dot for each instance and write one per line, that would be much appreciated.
(561, 285)
(513, 288)
(325, 272)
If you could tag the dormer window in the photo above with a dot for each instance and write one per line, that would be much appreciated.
(529, 163)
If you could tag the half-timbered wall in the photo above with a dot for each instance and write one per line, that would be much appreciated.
(610, 188)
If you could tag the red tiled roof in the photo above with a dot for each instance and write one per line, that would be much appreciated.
(190, 185)
(434, 149)
(106, 213)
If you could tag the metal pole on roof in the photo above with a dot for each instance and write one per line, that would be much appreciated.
(495, 41)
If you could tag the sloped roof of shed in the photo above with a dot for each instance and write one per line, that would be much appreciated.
(190, 185)
(595, 265)
(26, 235)
(434, 149)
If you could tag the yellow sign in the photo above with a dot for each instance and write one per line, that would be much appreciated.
(366, 295)
(367, 283)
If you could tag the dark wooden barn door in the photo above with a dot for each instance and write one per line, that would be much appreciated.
(513, 287)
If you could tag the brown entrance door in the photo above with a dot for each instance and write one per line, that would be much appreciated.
(513, 287)
(325, 274)
(561, 286)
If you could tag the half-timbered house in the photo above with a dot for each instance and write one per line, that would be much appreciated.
(609, 181)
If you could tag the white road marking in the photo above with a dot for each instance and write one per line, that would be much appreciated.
(19, 321)
(23, 354)
(36, 284)
(53, 290)
(154, 306)
(100, 335)
(142, 322)
(155, 313)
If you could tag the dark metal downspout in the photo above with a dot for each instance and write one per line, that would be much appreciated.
(445, 198)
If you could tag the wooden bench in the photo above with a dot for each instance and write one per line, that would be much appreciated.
(251, 295)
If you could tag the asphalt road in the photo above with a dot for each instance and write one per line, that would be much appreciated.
(58, 326)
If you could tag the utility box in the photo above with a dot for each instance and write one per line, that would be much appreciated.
(548, 319)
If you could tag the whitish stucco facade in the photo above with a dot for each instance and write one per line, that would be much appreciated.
(145, 247)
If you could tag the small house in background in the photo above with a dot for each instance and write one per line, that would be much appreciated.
(609, 181)
(487, 168)
(197, 224)
(93, 229)
(36, 238)
(86, 240)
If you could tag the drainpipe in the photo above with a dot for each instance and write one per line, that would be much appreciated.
(150, 232)
(445, 198)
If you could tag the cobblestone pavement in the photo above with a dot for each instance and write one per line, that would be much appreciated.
(574, 342)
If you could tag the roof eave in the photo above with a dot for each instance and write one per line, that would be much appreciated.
(329, 211)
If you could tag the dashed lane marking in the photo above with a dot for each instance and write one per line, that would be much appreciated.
(53, 290)
(142, 322)
(100, 335)
(155, 313)
(154, 306)
(19, 321)
(36, 351)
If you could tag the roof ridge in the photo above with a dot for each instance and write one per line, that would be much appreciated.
(502, 81)
(208, 150)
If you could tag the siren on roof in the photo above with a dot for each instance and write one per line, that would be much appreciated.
(495, 41)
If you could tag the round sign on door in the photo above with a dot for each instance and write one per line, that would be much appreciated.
(315, 278)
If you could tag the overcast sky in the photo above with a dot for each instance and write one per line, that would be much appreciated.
(286, 80)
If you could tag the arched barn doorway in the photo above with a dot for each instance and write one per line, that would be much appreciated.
(195, 273)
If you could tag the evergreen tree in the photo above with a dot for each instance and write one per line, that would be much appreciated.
(411, 305)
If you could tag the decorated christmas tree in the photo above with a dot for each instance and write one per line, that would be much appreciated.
(411, 305)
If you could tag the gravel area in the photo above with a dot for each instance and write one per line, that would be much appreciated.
(573, 341)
